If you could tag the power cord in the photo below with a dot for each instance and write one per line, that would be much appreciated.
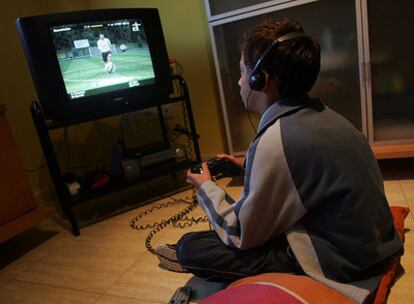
(248, 113)
(109, 139)
(180, 130)
(62, 143)
(179, 220)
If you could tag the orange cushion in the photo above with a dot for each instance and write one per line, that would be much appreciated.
(277, 288)
(399, 214)
(388, 279)
(307, 288)
(255, 293)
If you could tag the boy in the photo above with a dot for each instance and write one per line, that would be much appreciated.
(313, 200)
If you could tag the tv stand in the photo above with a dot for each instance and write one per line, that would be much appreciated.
(66, 200)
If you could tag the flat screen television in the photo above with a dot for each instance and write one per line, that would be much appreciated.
(91, 64)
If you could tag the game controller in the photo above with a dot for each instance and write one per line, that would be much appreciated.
(181, 296)
(219, 167)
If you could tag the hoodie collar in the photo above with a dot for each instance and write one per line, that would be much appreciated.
(283, 106)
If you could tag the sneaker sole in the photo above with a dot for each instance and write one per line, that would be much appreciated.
(171, 265)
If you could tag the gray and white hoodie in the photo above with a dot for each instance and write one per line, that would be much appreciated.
(309, 174)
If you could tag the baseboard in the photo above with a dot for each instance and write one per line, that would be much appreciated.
(24, 222)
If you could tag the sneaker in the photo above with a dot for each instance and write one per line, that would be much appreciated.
(167, 251)
(168, 258)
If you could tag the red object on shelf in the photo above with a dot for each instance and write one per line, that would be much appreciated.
(101, 182)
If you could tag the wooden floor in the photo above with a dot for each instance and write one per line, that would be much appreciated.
(108, 263)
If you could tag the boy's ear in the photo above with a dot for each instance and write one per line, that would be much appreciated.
(271, 84)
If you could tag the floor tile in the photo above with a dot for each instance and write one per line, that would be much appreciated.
(394, 193)
(121, 300)
(14, 269)
(411, 207)
(167, 282)
(109, 263)
(17, 292)
(408, 189)
(145, 280)
(85, 263)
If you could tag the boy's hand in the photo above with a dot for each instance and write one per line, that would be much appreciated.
(236, 160)
(197, 179)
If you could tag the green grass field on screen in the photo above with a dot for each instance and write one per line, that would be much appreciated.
(89, 73)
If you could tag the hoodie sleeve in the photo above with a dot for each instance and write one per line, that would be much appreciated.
(270, 202)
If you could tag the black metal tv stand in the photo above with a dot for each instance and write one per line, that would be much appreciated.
(65, 199)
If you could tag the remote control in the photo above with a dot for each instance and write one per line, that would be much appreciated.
(220, 167)
(181, 296)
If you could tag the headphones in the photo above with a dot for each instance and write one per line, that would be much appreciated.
(257, 79)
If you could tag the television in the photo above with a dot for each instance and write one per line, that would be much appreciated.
(92, 64)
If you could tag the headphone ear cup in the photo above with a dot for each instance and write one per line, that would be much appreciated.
(257, 81)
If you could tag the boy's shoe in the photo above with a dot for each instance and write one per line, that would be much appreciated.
(167, 251)
(168, 258)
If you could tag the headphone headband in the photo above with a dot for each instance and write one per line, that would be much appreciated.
(257, 79)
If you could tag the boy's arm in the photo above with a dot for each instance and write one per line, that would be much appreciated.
(270, 202)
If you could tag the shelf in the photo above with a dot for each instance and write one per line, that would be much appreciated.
(393, 151)
(165, 168)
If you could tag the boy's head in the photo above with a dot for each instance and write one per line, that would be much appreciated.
(294, 63)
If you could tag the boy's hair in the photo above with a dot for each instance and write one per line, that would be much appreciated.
(294, 63)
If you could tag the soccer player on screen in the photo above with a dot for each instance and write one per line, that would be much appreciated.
(123, 48)
(109, 65)
(104, 46)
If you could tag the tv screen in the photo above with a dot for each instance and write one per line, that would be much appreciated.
(91, 64)
(99, 57)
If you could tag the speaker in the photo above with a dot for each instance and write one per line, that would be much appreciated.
(257, 79)
(131, 168)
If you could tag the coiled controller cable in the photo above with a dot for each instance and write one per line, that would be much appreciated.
(179, 220)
